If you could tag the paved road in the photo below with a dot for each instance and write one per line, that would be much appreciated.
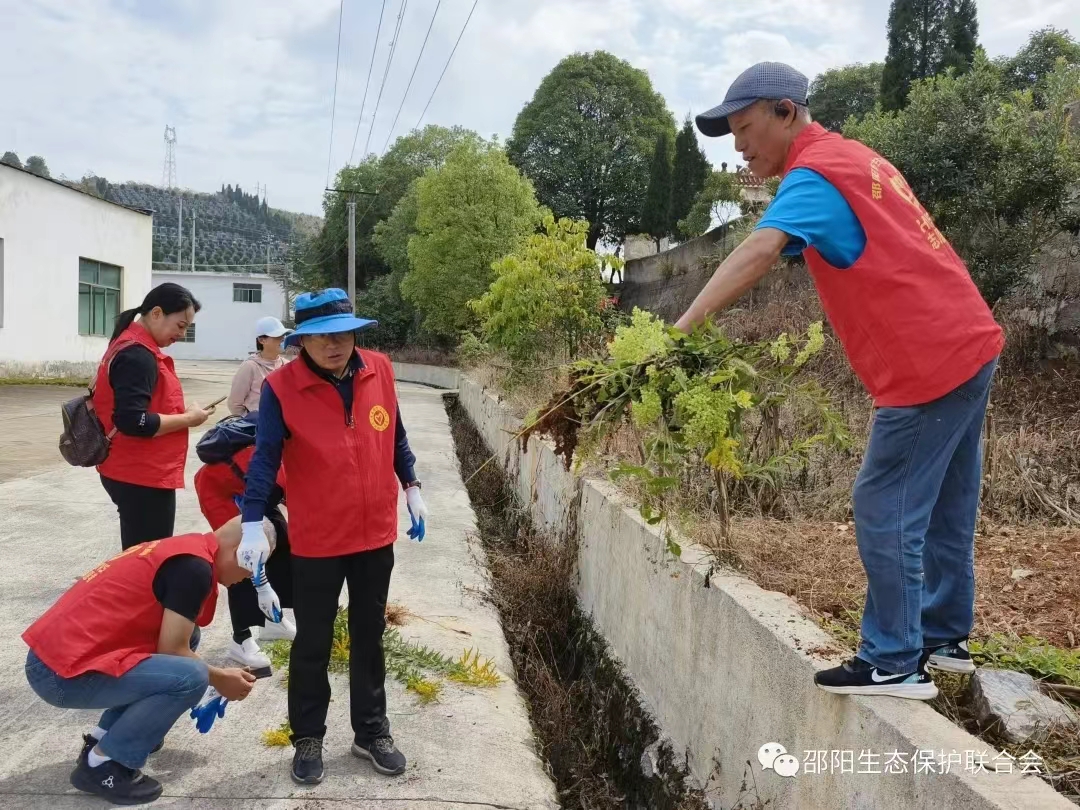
(473, 748)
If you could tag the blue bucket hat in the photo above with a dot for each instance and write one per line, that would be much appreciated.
(765, 80)
(325, 313)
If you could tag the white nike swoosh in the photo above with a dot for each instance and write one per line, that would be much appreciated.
(874, 676)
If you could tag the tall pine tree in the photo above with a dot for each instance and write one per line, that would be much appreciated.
(689, 172)
(962, 27)
(656, 210)
(925, 38)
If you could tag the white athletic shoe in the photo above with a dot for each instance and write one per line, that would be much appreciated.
(284, 630)
(249, 655)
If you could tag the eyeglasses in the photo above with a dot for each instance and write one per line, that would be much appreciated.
(333, 338)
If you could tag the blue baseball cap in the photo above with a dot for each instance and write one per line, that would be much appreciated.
(324, 313)
(765, 80)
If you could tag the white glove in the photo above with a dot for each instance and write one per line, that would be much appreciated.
(269, 603)
(418, 511)
(254, 548)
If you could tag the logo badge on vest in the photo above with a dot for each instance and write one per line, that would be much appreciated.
(379, 418)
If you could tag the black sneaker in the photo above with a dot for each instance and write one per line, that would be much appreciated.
(858, 677)
(115, 783)
(307, 767)
(385, 758)
(89, 742)
(953, 657)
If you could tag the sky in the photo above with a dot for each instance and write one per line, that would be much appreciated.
(249, 85)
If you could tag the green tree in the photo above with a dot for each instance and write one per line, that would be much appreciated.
(547, 297)
(840, 93)
(925, 38)
(36, 164)
(382, 301)
(689, 172)
(11, 159)
(962, 32)
(390, 176)
(586, 140)
(715, 203)
(996, 173)
(472, 211)
(656, 208)
(1028, 70)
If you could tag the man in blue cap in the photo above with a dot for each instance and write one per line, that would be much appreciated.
(921, 339)
(332, 418)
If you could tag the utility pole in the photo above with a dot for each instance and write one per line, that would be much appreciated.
(352, 250)
(180, 237)
(268, 254)
(193, 237)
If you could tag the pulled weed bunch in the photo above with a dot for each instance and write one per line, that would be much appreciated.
(696, 398)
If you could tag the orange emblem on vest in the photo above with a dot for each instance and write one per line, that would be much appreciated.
(379, 418)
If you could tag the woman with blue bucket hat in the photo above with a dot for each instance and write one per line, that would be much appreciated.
(332, 418)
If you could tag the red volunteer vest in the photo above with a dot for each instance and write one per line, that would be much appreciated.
(217, 484)
(343, 493)
(911, 320)
(109, 620)
(150, 462)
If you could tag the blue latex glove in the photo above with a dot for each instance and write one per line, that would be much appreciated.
(418, 512)
(209, 709)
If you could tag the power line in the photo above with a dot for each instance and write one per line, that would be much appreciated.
(413, 76)
(386, 73)
(333, 104)
(447, 63)
(452, 52)
(367, 84)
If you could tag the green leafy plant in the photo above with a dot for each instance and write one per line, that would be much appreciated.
(695, 398)
(548, 296)
(1035, 656)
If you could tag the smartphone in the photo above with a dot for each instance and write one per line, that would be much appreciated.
(215, 403)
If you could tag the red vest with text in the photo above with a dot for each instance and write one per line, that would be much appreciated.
(217, 484)
(911, 320)
(343, 493)
(156, 461)
(110, 620)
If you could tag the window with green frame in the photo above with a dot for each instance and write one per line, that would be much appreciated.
(99, 297)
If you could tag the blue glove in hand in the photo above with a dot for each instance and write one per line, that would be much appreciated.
(418, 512)
(211, 707)
(269, 603)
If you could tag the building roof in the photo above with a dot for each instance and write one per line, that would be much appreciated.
(747, 180)
(62, 184)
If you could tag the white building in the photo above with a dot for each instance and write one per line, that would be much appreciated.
(69, 263)
(231, 303)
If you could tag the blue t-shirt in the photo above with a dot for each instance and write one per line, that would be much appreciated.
(813, 213)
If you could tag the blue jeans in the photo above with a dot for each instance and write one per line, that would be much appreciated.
(916, 500)
(141, 705)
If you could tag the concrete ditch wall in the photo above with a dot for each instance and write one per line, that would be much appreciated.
(723, 664)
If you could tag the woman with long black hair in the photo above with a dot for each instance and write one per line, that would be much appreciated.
(138, 398)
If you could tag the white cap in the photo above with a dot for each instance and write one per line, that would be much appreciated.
(269, 326)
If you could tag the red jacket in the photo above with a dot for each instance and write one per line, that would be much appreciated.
(157, 461)
(343, 493)
(110, 620)
(911, 320)
(217, 484)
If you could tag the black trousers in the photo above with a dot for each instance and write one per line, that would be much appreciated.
(146, 513)
(317, 585)
(244, 602)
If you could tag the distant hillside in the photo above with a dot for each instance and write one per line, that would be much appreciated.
(233, 229)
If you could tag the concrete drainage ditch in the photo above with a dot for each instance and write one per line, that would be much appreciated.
(601, 746)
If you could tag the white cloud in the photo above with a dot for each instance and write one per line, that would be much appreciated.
(91, 85)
